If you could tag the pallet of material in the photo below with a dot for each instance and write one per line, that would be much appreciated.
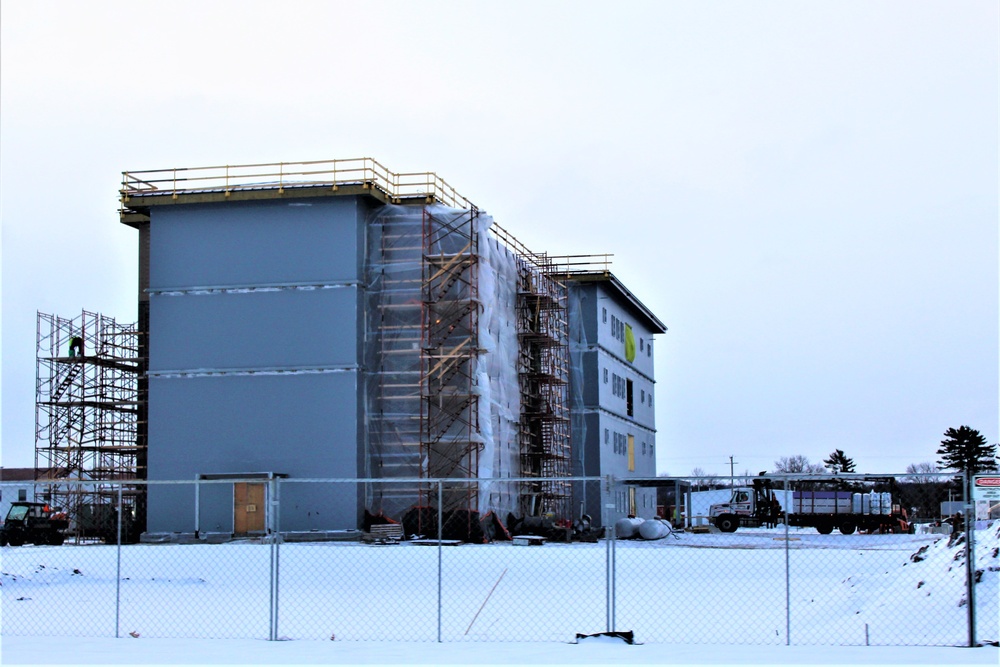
(528, 540)
(384, 533)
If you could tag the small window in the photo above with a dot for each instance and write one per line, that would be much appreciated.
(605, 376)
(628, 398)
(643, 449)
(604, 315)
(605, 436)
(22, 495)
(649, 350)
(640, 345)
(642, 396)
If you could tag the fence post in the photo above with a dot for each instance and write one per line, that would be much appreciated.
(440, 518)
(614, 578)
(118, 568)
(788, 570)
(968, 510)
(271, 537)
(275, 527)
(609, 529)
(197, 506)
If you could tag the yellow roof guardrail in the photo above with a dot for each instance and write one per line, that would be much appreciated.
(333, 174)
(279, 175)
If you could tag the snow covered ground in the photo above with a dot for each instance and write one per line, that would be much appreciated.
(141, 651)
(696, 599)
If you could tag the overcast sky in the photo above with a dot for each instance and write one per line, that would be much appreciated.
(805, 193)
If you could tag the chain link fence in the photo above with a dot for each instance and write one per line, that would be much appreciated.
(740, 562)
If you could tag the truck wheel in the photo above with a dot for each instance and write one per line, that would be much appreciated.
(3, 539)
(847, 528)
(56, 539)
(824, 528)
(15, 539)
(727, 523)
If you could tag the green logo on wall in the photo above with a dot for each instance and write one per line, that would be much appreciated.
(629, 344)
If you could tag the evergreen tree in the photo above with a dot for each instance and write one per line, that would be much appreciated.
(964, 449)
(838, 461)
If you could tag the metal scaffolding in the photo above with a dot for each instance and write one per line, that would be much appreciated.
(428, 307)
(449, 415)
(394, 289)
(543, 372)
(87, 411)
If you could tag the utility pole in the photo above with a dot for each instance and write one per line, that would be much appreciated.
(731, 475)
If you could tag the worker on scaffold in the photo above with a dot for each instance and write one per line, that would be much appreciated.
(76, 346)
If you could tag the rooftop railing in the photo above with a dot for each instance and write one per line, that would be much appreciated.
(334, 174)
(367, 172)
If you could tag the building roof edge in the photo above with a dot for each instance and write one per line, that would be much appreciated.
(630, 299)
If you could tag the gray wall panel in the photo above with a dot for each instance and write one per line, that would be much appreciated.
(253, 243)
(301, 425)
(286, 328)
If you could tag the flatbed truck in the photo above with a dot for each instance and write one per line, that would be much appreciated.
(822, 509)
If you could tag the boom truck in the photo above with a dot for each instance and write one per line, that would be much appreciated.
(822, 509)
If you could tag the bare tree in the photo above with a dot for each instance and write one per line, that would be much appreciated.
(701, 478)
(797, 464)
(924, 472)
(923, 489)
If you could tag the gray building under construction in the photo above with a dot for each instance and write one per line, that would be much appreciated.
(338, 320)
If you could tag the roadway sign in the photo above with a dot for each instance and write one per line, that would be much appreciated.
(986, 495)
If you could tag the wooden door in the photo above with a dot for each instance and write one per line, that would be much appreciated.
(248, 508)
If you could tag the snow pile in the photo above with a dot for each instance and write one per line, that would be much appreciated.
(924, 597)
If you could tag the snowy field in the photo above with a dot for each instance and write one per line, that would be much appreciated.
(695, 599)
(141, 651)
